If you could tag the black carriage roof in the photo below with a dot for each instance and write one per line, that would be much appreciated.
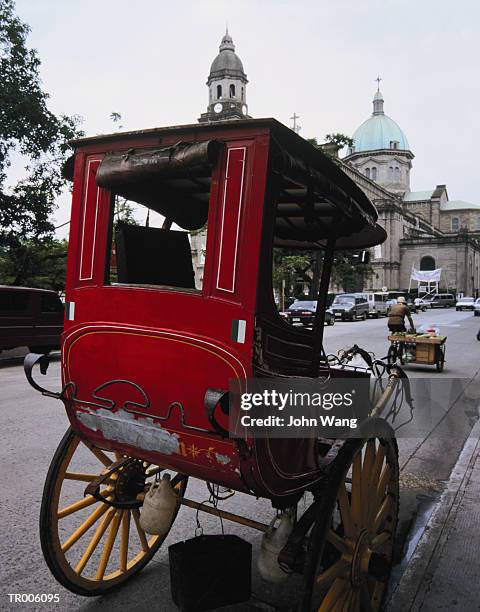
(300, 222)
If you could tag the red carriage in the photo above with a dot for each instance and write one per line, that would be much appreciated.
(149, 349)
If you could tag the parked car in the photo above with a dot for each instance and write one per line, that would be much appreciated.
(31, 318)
(476, 308)
(350, 306)
(465, 303)
(377, 303)
(303, 311)
(442, 300)
(421, 304)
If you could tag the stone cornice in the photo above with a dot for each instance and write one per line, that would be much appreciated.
(374, 152)
(458, 239)
(364, 182)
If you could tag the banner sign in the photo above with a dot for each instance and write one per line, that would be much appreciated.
(426, 276)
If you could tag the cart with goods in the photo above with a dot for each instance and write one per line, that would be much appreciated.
(425, 348)
(162, 312)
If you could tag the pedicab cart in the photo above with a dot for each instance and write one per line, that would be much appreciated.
(424, 349)
(148, 351)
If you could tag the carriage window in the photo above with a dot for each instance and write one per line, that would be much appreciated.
(146, 249)
(159, 211)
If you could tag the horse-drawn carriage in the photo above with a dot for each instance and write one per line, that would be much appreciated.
(156, 329)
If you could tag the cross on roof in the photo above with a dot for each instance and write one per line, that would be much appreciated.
(378, 79)
(296, 127)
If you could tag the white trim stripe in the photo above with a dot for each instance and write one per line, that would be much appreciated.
(85, 278)
(234, 271)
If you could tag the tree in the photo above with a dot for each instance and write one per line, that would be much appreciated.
(28, 128)
(341, 140)
(45, 265)
(348, 270)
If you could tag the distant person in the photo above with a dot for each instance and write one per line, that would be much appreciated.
(397, 314)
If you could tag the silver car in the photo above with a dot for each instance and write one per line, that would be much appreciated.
(476, 308)
(465, 303)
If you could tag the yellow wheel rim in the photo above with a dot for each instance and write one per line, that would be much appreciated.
(362, 538)
(90, 545)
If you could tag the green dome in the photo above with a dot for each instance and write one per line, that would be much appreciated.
(379, 131)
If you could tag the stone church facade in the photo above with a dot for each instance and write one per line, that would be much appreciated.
(426, 229)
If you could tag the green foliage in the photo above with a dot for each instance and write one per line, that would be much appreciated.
(341, 140)
(290, 272)
(123, 211)
(28, 128)
(349, 272)
(42, 265)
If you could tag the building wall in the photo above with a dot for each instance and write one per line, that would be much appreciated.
(469, 220)
(459, 258)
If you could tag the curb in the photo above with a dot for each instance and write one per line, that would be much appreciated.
(410, 591)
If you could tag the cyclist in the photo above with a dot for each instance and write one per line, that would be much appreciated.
(397, 314)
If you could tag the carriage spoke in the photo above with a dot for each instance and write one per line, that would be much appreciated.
(382, 514)
(380, 539)
(377, 465)
(84, 527)
(345, 511)
(333, 596)
(368, 461)
(80, 504)
(80, 476)
(100, 455)
(383, 483)
(337, 570)
(107, 549)
(347, 604)
(339, 543)
(97, 536)
(357, 491)
(141, 533)
(124, 541)
(365, 598)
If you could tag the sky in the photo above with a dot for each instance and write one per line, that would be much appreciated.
(149, 60)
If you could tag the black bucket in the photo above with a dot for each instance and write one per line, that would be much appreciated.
(210, 571)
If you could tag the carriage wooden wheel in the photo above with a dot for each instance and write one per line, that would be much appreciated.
(89, 545)
(351, 548)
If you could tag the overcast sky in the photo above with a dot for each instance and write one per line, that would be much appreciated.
(149, 61)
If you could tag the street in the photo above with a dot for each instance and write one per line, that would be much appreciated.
(32, 427)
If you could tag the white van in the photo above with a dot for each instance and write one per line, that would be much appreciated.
(377, 303)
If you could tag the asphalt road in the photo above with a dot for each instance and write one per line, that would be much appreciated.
(32, 426)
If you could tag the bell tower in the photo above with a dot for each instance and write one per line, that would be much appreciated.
(227, 85)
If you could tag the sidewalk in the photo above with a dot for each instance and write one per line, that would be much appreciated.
(444, 571)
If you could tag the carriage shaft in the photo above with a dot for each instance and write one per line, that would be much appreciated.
(229, 516)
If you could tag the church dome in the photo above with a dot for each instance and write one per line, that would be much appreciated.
(227, 61)
(379, 131)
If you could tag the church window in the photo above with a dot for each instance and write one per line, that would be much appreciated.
(477, 224)
(243, 89)
(455, 224)
(374, 174)
(390, 173)
(232, 90)
(397, 174)
(219, 91)
(427, 263)
(394, 144)
(367, 172)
